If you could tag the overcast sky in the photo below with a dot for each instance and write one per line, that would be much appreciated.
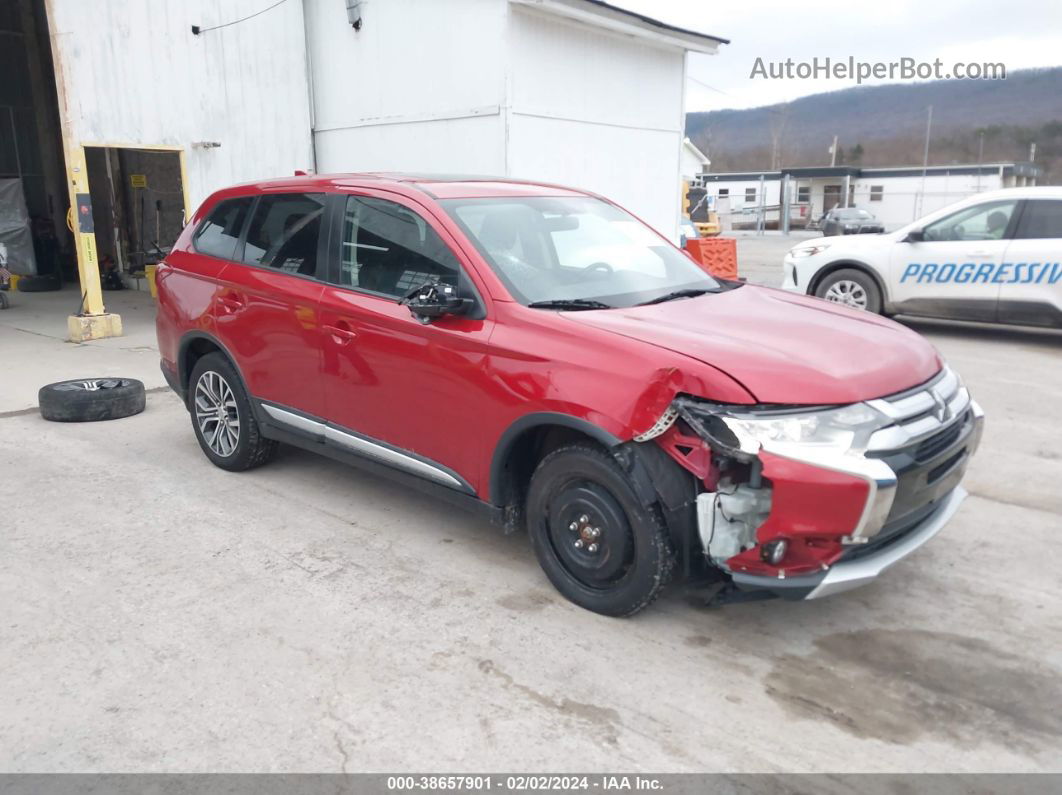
(1017, 33)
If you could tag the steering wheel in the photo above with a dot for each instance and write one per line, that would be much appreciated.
(604, 267)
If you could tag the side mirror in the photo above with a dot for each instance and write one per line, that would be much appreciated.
(435, 299)
(915, 236)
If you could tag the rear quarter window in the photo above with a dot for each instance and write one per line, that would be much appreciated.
(220, 232)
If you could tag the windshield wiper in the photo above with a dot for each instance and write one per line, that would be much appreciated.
(570, 303)
(687, 293)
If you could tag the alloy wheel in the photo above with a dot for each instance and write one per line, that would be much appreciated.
(847, 292)
(216, 413)
(91, 384)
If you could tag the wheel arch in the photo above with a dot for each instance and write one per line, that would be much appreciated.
(524, 443)
(853, 264)
(193, 347)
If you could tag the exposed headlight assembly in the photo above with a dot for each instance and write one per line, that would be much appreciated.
(743, 432)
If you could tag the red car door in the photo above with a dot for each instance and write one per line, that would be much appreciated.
(266, 304)
(398, 389)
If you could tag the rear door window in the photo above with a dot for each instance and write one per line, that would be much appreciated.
(1040, 220)
(220, 232)
(284, 232)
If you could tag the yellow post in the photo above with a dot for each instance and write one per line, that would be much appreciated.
(94, 321)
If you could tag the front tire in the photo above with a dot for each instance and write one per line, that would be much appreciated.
(852, 288)
(599, 546)
(222, 418)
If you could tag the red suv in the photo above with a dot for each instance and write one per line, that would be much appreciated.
(542, 356)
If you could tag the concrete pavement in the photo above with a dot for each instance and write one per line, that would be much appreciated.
(163, 615)
(34, 350)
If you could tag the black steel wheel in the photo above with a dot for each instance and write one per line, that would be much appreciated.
(599, 546)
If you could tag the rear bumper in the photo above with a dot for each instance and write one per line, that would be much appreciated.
(171, 378)
(846, 575)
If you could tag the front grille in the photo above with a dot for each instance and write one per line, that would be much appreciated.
(927, 470)
(924, 414)
(925, 444)
(939, 471)
(937, 442)
(893, 531)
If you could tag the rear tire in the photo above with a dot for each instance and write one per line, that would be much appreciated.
(599, 546)
(222, 418)
(852, 288)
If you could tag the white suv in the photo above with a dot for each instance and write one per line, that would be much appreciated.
(992, 257)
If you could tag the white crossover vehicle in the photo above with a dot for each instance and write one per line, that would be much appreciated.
(992, 257)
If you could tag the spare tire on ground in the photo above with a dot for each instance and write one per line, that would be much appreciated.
(91, 399)
(38, 284)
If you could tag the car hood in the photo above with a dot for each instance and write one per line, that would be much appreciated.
(851, 241)
(782, 348)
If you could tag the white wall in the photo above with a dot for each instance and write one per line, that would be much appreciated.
(483, 87)
(900, 203)
(135, 74)
(690, 165)
(421, 87)
(737, 191)
(598, 111)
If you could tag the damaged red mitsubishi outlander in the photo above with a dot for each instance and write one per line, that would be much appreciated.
(541, 355)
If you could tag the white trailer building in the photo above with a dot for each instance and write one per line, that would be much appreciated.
(896, 196)
(140, 110)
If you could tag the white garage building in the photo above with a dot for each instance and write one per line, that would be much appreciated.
(176, 98)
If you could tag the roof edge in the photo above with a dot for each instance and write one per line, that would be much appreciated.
(611, 17)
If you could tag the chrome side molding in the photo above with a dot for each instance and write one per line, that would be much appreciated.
(363, 446)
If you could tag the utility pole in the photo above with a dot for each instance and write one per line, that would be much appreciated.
(760, 225)
(980, 158)
(925, 160)
(833, 152)
(784, 209)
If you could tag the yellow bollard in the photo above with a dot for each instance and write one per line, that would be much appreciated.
(149, 272)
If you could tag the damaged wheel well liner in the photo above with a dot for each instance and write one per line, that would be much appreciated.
(655, 477)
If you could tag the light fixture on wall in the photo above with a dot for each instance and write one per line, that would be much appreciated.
(354, 13)
(206, 144)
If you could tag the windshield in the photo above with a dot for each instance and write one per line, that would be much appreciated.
(853, 213)
(575, 249)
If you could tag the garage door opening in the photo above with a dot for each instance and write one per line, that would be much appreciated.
(138, 208)
(32, 173)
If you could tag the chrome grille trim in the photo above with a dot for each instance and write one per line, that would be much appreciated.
(915, 417)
